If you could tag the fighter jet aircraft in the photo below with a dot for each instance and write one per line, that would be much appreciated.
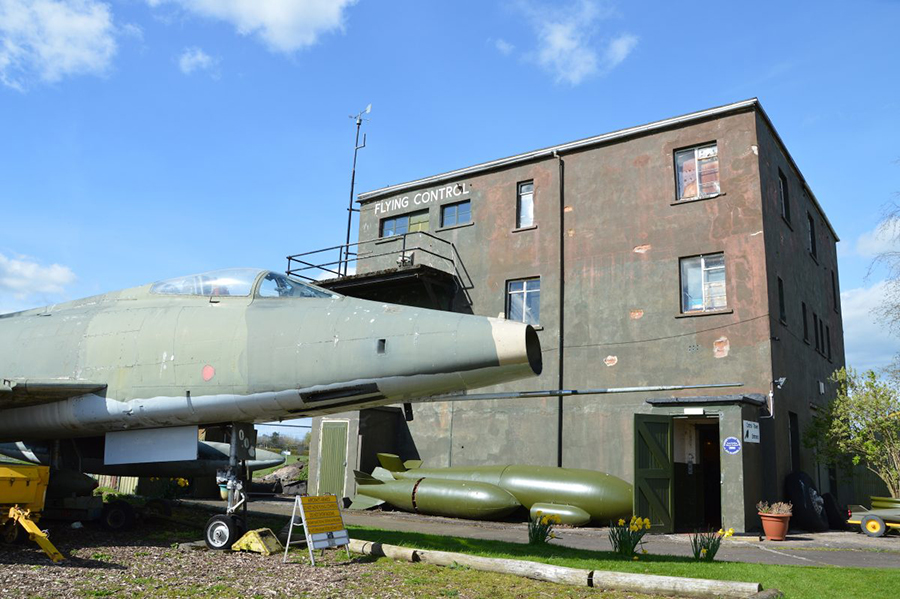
(121, 382)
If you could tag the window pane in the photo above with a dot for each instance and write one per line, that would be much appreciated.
(691, 285)
(401, 225)
(418, 221)
(709, 175)
(463, 213)
(533, 285)
(448, 218)
(516, 301)
(516, 286)
(714, 283)
(686, 174)
(387, 227)
(532, 307)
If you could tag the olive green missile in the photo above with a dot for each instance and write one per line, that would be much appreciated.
(454, 498)
(577, 496)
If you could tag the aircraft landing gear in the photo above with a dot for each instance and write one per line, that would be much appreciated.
(223, 530)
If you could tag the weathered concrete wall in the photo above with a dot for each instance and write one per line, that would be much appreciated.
(807, 279)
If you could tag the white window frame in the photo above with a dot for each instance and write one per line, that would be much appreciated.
(697, 150)
(705, 284)
(524, 293)
(519, 197)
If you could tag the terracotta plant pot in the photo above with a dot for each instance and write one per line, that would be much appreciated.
(775, 525)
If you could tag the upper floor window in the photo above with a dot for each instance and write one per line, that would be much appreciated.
(782, 309)
(697, 172)
(834, 293)
(523, 300)
(456, 214)
(405, 223)
(783, 197)
(805, 323)
(525, 205)
(703, 283)
(811, 235)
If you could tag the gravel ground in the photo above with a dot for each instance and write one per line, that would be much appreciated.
(148, 562)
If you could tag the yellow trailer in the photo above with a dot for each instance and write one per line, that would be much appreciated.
(23, 489)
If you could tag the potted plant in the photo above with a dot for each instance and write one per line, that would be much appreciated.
(775, 519)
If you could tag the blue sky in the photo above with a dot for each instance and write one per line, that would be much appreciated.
(143, 139)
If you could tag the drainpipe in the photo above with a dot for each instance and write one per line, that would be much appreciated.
(562, 304)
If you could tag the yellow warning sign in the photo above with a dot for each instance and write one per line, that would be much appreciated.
(322, 514)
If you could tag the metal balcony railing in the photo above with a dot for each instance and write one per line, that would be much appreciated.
(397, 251)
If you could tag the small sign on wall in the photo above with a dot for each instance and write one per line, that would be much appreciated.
(751, 431)
(731, 445)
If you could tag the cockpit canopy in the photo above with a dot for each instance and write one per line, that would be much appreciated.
(238, 282)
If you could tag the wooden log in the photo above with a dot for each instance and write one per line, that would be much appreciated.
(534, 570)
(382, 550)
(672, 586)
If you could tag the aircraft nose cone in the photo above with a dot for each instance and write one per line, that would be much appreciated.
(516, 343)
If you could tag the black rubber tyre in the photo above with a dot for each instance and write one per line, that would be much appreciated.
(11, 533)
(873, 526)
(221, 532)
(117, 515)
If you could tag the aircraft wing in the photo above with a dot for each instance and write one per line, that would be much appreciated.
(17, 393)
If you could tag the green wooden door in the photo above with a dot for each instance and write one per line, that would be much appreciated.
(333, 458)
(653, 470)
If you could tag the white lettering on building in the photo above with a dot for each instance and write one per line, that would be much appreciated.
(422, 198)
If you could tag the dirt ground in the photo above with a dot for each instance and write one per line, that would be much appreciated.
(148, 562)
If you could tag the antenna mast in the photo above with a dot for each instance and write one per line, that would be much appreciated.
(350, 208)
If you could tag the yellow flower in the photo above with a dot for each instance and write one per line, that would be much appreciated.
(621, 521)
(635, 558)
(544, 520)
(721, 532)
(703, 552)
(647, 522)
(539, 512)
(557, 519)
(644, 551)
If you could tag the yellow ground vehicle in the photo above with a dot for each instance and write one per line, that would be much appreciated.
(22, 493)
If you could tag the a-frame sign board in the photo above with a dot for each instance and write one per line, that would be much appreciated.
(322, 523)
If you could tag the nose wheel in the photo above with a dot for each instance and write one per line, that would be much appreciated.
(222, 531)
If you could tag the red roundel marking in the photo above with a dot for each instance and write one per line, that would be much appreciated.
(208, 372)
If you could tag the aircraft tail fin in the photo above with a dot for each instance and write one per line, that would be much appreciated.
(365, 479)
(412, 464)
(383, 475)
(391, 462)
(362, 502)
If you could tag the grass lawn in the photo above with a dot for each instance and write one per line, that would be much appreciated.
(291, 459)
(813, 582)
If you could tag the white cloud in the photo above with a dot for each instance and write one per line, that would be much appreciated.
(22, 278)
(195, 59)
(48, 40)
(283, 25)
(884, 238)
(504, 47)
(568, 47)
(869, 343)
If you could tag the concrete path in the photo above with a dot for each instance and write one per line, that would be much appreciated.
(800, 549)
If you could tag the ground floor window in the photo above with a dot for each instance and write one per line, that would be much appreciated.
(523, 300)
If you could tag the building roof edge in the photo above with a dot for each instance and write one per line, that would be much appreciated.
(565, 147)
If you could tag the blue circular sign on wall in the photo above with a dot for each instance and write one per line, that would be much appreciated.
(732, 445)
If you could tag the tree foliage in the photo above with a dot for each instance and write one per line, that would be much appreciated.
(861, 425)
